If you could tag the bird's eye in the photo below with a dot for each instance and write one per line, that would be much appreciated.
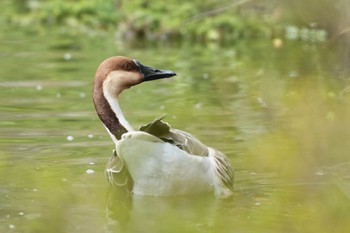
(127, 66)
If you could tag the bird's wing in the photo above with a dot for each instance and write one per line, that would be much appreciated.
(116, 172)
(181, 139)
(193, 146)
(223, 168)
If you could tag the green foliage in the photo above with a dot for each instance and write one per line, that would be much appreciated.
(195, 21)
(73, 15)
(139, 19)
(202, 21)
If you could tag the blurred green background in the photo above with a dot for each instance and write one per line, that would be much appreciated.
(265, 82)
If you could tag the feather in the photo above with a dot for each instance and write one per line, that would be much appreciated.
(179, 138)
(116, 172)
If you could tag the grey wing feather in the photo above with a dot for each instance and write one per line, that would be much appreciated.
(188, 143)
(181, 139)
(116, 172)
(224, 169)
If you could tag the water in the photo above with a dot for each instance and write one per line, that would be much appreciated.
(280, 115)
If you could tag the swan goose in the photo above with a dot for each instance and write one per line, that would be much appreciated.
(155, 160)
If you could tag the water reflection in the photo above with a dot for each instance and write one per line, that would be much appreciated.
(119, 206)
(163, 214)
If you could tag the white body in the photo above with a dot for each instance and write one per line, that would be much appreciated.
(159, 168)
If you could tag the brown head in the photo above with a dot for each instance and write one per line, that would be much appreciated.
(114, 75)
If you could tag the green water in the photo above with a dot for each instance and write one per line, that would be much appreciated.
(280, 115)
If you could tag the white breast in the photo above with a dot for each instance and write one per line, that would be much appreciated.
(159, 168)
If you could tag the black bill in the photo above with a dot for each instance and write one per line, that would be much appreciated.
(151, 73)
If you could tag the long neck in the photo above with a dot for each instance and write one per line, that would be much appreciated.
(109, 112)
(114, 103)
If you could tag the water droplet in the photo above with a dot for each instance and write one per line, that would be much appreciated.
(320, 173)
(11, 226)
(39, 87)
(90, 135)
(70, 138)
(89, 171)
(67, 56)
(205, 76)
(293, 74)
(198, 105)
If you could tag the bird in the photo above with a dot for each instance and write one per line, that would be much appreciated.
(156, 159)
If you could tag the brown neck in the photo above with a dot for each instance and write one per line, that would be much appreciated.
(105, 112)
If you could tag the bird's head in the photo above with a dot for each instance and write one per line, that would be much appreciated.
(116, 74)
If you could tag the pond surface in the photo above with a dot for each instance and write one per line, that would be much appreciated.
(280, 114)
